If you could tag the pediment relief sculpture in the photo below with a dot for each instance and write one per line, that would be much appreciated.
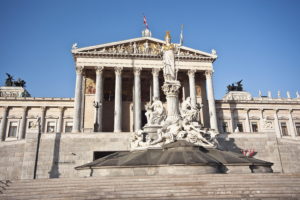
(142, 46)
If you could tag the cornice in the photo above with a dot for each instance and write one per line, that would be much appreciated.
(140, 56)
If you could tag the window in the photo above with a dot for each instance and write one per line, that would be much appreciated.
(297, 128)
(284, 130)
(225, 127)
(254, 127)
(51, 127)
(240, 127)
(68, 127)
(13, 126)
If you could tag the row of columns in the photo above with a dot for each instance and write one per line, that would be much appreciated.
(276, 122)
(137, 97)
(22, 128)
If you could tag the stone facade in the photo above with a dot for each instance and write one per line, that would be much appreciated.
(114, 82)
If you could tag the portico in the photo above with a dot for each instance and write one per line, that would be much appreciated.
(123, 76)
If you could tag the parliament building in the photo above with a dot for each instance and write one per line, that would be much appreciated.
(114, 83)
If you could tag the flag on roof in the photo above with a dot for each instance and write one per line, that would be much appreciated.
(145, 22)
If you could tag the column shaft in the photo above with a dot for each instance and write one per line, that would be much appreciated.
(137, 99)
(78, 100)
(43, 119)
(276, 125)
(191, 74)
(118, 100)
(291, 121)
(155, 75)
(60, 120)
(99, 99)
(3, 124)
(211, 101)
(248, 129)
(261, 121)
(22, 129)
(232, 120)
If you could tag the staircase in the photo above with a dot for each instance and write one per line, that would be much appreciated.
(206, 186)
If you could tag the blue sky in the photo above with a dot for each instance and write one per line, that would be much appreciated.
(257, 41)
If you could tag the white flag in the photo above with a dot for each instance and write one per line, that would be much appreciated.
(181, 35)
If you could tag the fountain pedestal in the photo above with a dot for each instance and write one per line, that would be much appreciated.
(171, 90)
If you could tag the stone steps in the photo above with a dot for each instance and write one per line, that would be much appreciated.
(210, 186)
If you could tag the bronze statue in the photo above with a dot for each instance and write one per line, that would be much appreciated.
(10, 81)
(237, 87)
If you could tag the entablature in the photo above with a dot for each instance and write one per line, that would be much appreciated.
(140, 63)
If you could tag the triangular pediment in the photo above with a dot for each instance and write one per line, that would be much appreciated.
(146, 46)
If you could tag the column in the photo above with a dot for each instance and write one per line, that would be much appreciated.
(155, 75)
(261, 121)
(22, 129)
(3, 123)
(118, 100)
(291, 122)
(43, 119)
(78, 100)
(276, 124)
(232, 120)
(60, 120)
(137, 99)
(191, 74)
(248, 126)
(211, 100)
(99, 99)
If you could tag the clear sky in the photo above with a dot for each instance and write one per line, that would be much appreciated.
(257, 41)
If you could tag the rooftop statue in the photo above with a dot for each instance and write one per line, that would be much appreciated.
(238, 86)
(10, 81)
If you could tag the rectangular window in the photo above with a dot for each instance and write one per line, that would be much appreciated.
(13, 126)
(240, 127)
(225, 127)
(68, 127)
(51, 127)
(254, 127)
(297, 128)
(284, 130)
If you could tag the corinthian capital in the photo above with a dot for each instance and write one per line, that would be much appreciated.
(99, 70)
(79, 69)
(137, 71)
(118, 70)
(208, 73)
(191, 72)
(155, 71)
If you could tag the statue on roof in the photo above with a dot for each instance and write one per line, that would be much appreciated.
(238, 86)
(9, 80)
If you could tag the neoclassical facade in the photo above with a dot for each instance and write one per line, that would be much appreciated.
(114, 84)
(115, 81)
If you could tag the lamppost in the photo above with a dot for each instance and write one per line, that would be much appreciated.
(97, 105)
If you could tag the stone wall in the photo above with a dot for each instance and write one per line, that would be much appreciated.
(11, 159)
(265, 144)
(290, 155)
(60, 153)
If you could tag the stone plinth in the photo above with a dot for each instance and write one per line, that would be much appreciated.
(152, 130)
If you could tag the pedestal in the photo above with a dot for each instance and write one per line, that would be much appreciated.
(171, 90)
